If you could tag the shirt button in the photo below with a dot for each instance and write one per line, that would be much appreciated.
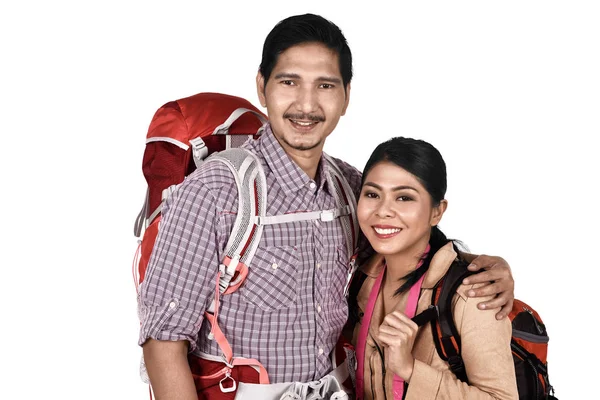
(172, 304)
(318, 265)
(318, 308)
(274, 266)
(312, 185)
(321, 352)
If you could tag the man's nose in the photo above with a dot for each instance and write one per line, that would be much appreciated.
(307, 100)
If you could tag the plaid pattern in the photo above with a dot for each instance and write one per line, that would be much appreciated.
(290, 311)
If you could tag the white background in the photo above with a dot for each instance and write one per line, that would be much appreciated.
(508, 91)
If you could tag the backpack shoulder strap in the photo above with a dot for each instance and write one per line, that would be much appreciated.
(345, 199)
(252, 204)
(445, 334)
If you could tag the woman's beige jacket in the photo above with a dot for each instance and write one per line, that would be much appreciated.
(485, 345)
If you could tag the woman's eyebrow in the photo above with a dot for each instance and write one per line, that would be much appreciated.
(394, 189)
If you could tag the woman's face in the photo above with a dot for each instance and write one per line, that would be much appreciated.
(395, 211)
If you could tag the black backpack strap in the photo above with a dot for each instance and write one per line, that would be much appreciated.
(445, 334)
(354, 316)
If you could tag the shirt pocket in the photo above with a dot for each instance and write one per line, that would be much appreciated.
(272, 278)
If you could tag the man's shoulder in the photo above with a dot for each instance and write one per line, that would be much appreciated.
(213, 183)
(352, 175)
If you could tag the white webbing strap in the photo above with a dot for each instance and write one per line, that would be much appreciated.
(325, 216)
(329, 387)
(223, 129)
(141, 217)
(154, 214)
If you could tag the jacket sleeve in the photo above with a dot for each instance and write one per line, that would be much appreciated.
(486, 352)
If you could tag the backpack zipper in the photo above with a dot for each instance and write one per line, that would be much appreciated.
(535, 321)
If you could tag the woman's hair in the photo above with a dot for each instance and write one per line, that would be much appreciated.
(306, 28)
(425, 162)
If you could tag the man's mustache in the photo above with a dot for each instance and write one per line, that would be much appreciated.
(310, 117)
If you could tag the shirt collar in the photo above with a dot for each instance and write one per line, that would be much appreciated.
(288, 174)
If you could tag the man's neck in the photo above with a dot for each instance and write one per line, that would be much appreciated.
(307, 160)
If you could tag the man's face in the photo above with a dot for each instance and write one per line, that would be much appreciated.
(304, 96)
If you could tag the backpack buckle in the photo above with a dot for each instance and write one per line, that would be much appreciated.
(327, 215)
(231, 388)
(199, 150)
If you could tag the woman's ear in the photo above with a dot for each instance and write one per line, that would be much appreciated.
(438, 212)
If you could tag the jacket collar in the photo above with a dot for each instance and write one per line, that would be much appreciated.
(437, 269)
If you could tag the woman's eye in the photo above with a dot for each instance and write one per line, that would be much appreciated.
(370, 195)
(405, 198)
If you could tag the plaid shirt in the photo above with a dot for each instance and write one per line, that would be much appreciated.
(291, 309)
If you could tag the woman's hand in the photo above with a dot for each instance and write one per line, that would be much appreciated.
(397, 334)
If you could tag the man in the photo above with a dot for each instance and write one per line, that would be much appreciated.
(291, 309)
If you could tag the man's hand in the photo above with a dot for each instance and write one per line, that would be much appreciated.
(497, 279)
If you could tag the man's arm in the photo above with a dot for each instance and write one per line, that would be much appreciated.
(178, 285)
(498, 280)
(168, 369)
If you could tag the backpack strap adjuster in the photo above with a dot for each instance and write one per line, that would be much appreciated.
(458, 367)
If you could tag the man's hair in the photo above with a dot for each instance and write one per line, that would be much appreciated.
(305, 28)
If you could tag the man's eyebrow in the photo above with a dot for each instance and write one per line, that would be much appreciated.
(331, 79)
(287, 75)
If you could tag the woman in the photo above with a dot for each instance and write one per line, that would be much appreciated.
(400, 205)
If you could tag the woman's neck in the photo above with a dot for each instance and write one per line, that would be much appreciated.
(401, 264)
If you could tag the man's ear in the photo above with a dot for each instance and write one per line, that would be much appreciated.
(347, 99)
(260, 89)
(438, 212)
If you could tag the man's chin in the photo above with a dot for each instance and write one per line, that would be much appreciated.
(304, 146)
(301, 145)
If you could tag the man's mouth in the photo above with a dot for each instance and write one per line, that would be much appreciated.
(303, 123)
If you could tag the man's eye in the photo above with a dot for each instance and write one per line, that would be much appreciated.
(326, 86)
(287, 82)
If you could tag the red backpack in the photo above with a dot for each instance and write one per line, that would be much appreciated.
(529, 342)
(181, 135)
